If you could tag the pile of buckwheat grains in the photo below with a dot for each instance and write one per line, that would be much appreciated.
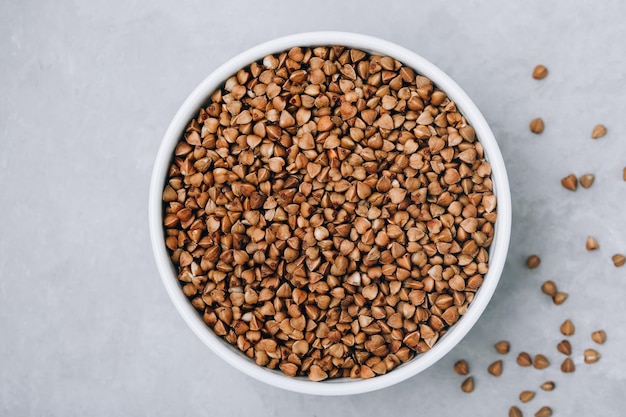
(329, 212)
(549, 287)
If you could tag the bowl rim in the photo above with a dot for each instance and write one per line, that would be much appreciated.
(498, 249)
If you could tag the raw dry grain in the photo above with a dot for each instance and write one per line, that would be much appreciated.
(461, 367)
(502, 347)
(537, 125)
(533, 261)
(598, 131)
(568, 366)
(599, 337)
(495, 368)
(586, 180)
(329, 213)
(591, 243)
(567, 328)
(564, 347)
(540, 72)
(544, 411)
(591, 356)
(468, 385)
(570, 182)
(548, 386)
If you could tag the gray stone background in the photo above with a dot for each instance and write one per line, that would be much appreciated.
(88, 88)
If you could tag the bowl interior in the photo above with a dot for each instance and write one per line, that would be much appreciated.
(497, 251)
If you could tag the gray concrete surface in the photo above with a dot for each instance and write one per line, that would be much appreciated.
(86, 92)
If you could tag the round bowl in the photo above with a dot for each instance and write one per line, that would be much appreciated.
(497, 252)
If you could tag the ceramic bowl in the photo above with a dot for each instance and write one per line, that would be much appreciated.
(497, 252)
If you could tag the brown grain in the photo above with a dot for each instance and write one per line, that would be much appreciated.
(502, 347)
(541, 362)
(586, 180)
(570, 182)
(591, 356)
(544, 411)
(461, 367)
(549, 288)
(537, 126)
(598, 131)
(559, 298)
(329, 213)
(526, 396)
(591, 243)
(564, 347)
(468, 385)
(568, 366)
(495, 368)
(540, 72)
(567, 328)
(599, 337)
(524, 359)
(533, 261)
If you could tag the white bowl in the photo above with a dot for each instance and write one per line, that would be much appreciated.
(497, 253)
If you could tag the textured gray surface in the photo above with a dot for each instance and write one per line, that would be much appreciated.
(88, 89)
